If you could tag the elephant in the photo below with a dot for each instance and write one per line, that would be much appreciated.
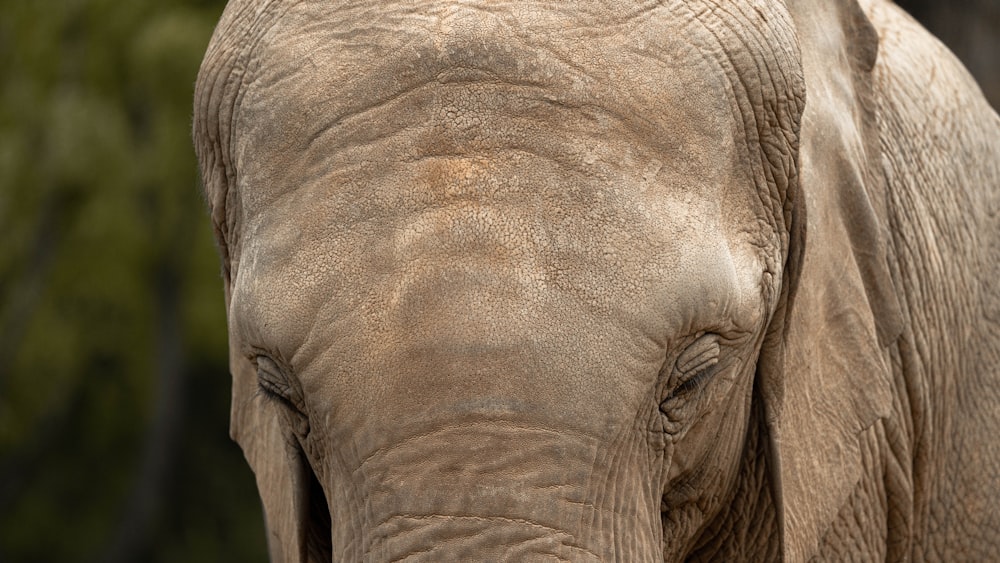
(607, 281)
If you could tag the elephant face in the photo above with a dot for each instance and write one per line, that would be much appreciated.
(498, 277)
(502, 295)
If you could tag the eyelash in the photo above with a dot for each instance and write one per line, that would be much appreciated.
(268, 393)
(696, 381)
(273, 396)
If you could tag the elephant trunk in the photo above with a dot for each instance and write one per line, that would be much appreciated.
(466, 538)
(491, 491)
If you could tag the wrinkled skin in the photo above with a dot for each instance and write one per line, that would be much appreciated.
(589, 281)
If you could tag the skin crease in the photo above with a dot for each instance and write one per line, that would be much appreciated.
(584, 282)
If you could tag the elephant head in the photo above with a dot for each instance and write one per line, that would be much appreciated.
(584, 280)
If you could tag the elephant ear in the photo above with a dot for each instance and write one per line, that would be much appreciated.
(279, 470)
(824, 372)
(295, 511)
(296, 514)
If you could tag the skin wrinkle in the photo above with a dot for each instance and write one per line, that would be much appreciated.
(486, 150)
(647, 503)
(612, 482)
(585, 530)
(596, 524)
(363, 530)
(610, 490)
(507, 425)
(918, 265)
(597, 492)
(739, 113)
(494, 153)
(358, 113)
(728, 538)
(246, 68)
(624, 495)
(225, 225)
(526, 521)
(219, 205)
(452, 517)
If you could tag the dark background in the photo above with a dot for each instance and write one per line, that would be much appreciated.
(114, 388)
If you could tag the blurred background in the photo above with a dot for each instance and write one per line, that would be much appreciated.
(114, 387)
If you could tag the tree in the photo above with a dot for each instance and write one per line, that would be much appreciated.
(112, 328)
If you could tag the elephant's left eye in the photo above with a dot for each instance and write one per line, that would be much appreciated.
(695, 380)
(696, 364)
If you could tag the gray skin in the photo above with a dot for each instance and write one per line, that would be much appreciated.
(604, 281)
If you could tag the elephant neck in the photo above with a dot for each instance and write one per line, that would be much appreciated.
(733, 535)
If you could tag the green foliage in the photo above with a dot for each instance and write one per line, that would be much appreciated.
(113, 370)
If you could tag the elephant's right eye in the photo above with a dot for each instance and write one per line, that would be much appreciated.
(274, 384)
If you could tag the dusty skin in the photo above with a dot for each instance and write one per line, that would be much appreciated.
(607, 281)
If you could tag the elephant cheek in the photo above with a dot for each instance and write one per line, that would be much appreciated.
(704, 466)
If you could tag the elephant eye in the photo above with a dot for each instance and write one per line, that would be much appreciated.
(274, 384)
(696, 363)
(695, 380)
(702, 353)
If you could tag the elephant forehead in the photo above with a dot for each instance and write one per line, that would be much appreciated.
(494, 275)
(309, 89)
(341, 90)
(525, 144)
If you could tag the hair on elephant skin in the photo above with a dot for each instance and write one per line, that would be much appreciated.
(603, 281)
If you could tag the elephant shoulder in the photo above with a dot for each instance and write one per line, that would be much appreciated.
(933, 117)
(939, 141)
